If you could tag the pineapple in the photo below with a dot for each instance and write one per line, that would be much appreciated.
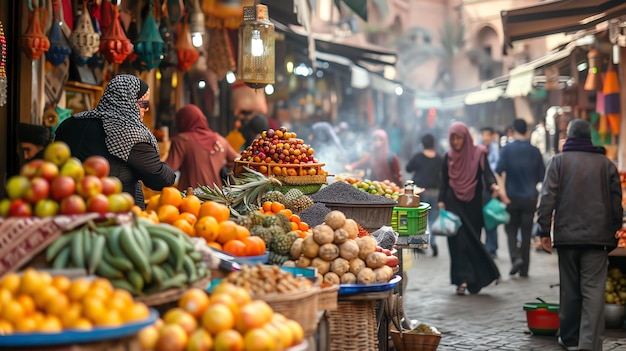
(274, 196)
(300, 204)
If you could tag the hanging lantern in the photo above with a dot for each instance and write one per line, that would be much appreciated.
(255, 58)
(34, 43)
(594, 79)
(196, 25)
(115, 46)
(185, 51)
(84, 40)
(149, 45)
(59, 47)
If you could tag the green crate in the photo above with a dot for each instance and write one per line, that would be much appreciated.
(410, 220)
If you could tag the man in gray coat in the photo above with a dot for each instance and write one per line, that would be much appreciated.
(582, 189)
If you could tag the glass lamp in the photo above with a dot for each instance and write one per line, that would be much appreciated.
(256, 56)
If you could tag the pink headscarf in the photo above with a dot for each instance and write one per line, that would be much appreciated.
(381, 152)
(463, 164)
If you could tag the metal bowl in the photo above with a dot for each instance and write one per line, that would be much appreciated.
(614, 315)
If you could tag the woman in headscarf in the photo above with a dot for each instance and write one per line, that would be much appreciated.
(201, 155)
(465, 170)
(115, 130)
(383, 164)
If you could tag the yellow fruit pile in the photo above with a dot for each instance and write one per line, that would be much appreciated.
(227, 320)
(38, 302)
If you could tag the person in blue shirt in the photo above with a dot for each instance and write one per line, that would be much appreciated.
(521, 168)
(488, 139)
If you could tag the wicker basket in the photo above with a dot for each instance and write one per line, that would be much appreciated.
(370, 216)
(415, 342)
(165, 300)
(301, 306)
(328, 298)
(284, 170)
(353, 326)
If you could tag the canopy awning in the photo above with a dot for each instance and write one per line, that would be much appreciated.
(557, 16)
(483, 96)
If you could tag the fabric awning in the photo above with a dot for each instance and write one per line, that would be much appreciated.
(557, 16)
(483, 96)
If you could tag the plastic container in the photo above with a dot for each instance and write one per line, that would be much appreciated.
(410, 221)
(542, 317)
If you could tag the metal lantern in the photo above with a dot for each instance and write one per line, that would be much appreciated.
(84, 40)
(59, 47)
(185, 51)
(115, 46)
(149, 45)
(255, 59)
(34, 43)
(594, 79)
(196, 25)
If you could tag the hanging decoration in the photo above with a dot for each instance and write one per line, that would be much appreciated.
(84, 40)
(169, 51)
(149, 45)
(97, 60)
(594, 80)
(174, 10)
(611, 99)
(3, 67)
(223, 13)
(33, 42)
(256, 56)
(223, 59)
(59, 46)
(185, 51)
(115, 46)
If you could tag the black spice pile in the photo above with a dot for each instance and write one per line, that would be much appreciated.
(344, 193)
(314, 215)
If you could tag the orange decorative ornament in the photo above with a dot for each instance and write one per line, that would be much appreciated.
(114, 45)
(34, 43)
(185, 51)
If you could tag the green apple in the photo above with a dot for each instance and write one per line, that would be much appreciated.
(17, 186)
(57, 152)
(46, 208)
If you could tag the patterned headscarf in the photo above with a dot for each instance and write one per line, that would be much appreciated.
(119, 112)
(463, 164)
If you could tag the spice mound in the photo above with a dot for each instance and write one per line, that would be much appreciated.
(344, 193)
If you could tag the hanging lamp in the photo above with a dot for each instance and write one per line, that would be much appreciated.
(84, 40)
(115, 46)
(59, 47)
(256, 56)
(33, 42)
(149, 45)
(594, 79)
(196, 24)
(185, 51)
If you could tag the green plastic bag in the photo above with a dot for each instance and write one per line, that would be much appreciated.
(495, 214)
(447, 224)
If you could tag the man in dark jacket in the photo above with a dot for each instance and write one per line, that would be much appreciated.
(582, 189)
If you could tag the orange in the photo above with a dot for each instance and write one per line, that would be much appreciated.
(189, 217)
(72, 314)
(287, 212)
(167, 213)
(5, 328)
(10, 282)
(31, 281)
(235, 247)
(295, 218)
(215, 245)
(267, 206)
(191, 203)
(195, 301)
(103, 284)
(44, 295)
(207, 228)
(255, 246)
(93, 308)
(148, 337)
(216, 210)
(124, 296)
(26, 324)
(51, 324)
(82, 324)
(228, 340)
(217, 318)
(227, 232)
(185, 227)
(12, 311)
(170, 196)
(153, 216)
(58, 306)
(303, 226)
(153, 203)
(110, 318)
(137, 312)
(62, 283)
(200, 340)
(137, 210)
(277, 207)
(259, 339)
(294, 226)
(296, 329)
(78, 288)
(28, 304)
(242, 232)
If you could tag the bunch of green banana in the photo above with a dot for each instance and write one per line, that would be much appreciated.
(141, 257)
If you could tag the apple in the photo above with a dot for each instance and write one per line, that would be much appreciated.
(73, 168)
(17, 186)
(46, 208)
(89, 186)
(4, 207)
(47, 170)
(30, 169)
(20, 208)
(39, 189)
(98, 203)
(57, 152)
(120, 202)
(111, 185)
(62, 187)
(73, 204)
(97, 166)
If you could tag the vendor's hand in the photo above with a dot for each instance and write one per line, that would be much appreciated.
(546, 244)
(495, 190)
(505, 199)
(441, 205)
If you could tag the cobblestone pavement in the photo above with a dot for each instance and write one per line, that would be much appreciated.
(494, 319)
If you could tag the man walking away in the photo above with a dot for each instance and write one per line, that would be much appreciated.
(521, 168)
(584, 233)
(488, 140)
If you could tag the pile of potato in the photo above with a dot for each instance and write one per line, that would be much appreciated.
(339, 255)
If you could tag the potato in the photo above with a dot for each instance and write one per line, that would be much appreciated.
(289, 263)
(383, 274)
(352, 228)
(335, 219)
(319, 278)
(367, 245)
(356, 265)
(332, 278)
(366, 276)
(322, 265)
(376, 260)
(310, 247)
(349, 249)
(303, 262)
(340, 266)
(329, 252)
(340, 236)
(348, 278)
(296, 249)
(323, 234)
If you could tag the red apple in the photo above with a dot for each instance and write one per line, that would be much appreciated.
(73, 204)
(111, 185)
(89, 186)
(20, 208)
(120, 202)
(30, 169)
(98, 203)
(73, 168)
(4, 207)
(61, 187)
(47, 170)
(57, 152)
(38, 190)
(46, 208)
(97, 166)
(17, 186)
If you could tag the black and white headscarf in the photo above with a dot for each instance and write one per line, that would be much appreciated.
(119, 112)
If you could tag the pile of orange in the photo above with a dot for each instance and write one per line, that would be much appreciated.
(273, 207)
(227, 320)
(38, 302)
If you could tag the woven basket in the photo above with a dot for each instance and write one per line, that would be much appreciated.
(328, 298)
(164, 300)
(370, 216)
(353, 326)
(415, 342)
(301, 306)
(282, 169)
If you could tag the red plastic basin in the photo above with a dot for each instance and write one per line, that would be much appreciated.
(542, 318)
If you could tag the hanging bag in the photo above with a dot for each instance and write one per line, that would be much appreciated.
(446, 224)
(494, 213)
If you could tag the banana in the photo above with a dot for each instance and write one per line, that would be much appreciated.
(97, 251)
(113, 241)
(177, 250)
(135, 279)
(118, 262)
(143, 233)
(169, 271)
(61, 260)
(190, 269)
(158, 276)
(77, 249)
(105, 270)
(177, 281)
(202, 270)
(129, 245)
(123, 284)
(87, 243)
(160, 252)
(58, 245)
(195, 256)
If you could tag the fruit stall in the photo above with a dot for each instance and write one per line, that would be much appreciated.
(275, 260)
